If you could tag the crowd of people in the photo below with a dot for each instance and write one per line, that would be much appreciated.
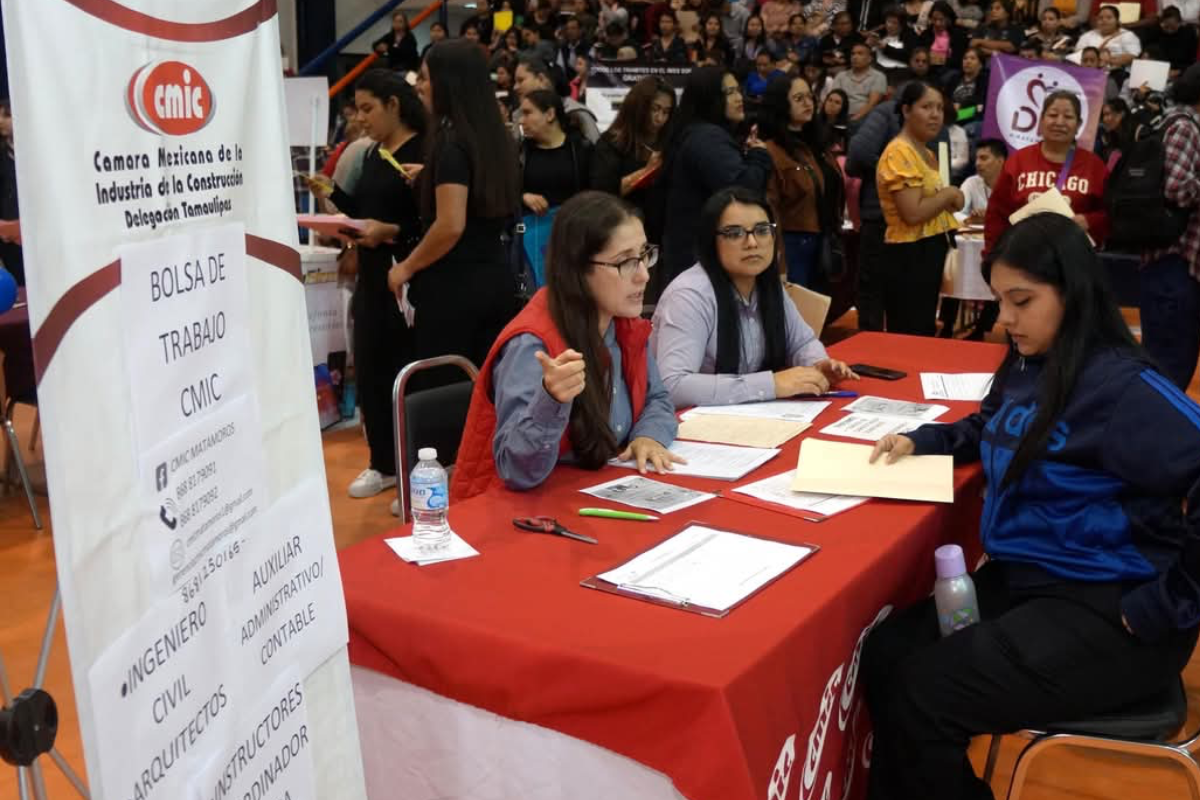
(830, 113)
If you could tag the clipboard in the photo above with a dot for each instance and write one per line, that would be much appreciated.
(683, 604)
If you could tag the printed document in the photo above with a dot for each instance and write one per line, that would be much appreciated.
(886, 407)
(956, 385)
(642, 492)
(719, 461)
(870, 427)
(793, 410)
(706, 567)
(778, 489)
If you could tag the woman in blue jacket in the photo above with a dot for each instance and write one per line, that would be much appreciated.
(1090, 598)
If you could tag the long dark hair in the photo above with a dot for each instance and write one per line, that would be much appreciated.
(1053, 250)
(775, 118)
(629, 133)
(703, 100)
(386, 84)
(582, 229)
(464, 106)
(545, 100)
(767, 285)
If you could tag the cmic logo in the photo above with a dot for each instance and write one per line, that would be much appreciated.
(169, 97)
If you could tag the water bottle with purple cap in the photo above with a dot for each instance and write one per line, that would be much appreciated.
(954, 591)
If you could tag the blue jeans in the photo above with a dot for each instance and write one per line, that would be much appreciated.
(1170, 306)
(801, 251)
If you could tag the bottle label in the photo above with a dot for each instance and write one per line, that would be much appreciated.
(429, 496)
(959, 618)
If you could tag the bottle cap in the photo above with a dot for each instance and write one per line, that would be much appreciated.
(427, 454)
(949, 561)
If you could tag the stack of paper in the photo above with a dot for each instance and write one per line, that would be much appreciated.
(956, 386)
(642, 492)
(792, 410)
(739, 430)
(872, 418)
(778, 489)
(717, 461)
(838, 468)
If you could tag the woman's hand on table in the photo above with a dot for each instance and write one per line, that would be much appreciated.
(896, 446)
(836, 370)
(800, 380)
(648, 452)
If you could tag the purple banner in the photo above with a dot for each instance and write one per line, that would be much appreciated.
(1018, 87)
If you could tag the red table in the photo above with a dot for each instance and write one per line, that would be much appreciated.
(731, 709)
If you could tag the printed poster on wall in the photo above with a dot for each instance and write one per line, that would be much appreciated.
(192, 532)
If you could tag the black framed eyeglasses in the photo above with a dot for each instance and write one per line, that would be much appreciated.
(736, 233)
(629, 266)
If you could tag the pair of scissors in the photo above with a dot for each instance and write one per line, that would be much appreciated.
(550, 525)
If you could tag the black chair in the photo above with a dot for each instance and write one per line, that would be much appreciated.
(1147, 729)
(428, 418)
(7, 406)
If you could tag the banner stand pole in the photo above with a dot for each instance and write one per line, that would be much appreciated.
(31, 720)
(314, 107)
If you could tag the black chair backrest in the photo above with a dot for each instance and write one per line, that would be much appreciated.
(435, 418)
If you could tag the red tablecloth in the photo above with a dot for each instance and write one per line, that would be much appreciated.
(735, 708)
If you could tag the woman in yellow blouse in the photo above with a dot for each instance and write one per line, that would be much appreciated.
(918, 209)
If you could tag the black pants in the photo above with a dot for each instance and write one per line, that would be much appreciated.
(383, 344)
(1039, 656)
(869, 299)
(912, 278)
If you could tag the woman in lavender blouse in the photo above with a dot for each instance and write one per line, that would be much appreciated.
(724, 330)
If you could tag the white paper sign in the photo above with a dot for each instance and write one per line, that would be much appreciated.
(203, 488)
(269, 756)
(286, 595)
(184, 310)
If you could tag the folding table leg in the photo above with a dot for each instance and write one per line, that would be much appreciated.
(15, 449)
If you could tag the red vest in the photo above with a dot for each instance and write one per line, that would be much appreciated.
(475, 469)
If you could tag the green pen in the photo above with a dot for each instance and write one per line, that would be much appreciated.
(608, 513)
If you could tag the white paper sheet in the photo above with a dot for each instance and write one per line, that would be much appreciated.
(718, 461)
(842, 468)
(886, 407)
(778, 489)
(869, 427)
(641, 492)
(706, 567)
(956, 385)
(406, 548)
(791, 410)
(1153, 74)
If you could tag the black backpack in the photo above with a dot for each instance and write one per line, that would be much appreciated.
(1139, 213)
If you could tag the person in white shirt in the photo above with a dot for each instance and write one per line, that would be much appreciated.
(989, 162)
(1123, 46)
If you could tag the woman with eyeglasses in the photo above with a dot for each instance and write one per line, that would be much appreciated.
(806, 187)
(702, 156)
(571, 378)
(724, 331)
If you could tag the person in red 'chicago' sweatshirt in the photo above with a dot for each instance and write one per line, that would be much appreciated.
(1038, 168)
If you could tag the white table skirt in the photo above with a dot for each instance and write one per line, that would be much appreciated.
(418, 745)
(968, 278)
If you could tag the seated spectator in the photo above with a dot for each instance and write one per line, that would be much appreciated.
(734, 17)
(764, 71)
(797, 40)
(999, 35)
(571, 379)
(893, 45)
(616, 46)
(399, 46)
(534, 46)
(437, 33)
(816, 75)
(1089, 57)
(712, 47)
(834, 46)
(1175, 42)
(777, 13)
(918, 65)
(863, 85)
(820, 15)
(543, 21)
(970, 89)
(970, 13)
(754, 39)
(573, 45)
(945, 40)
(1056, 44)
(1118, 130)
(1108, 35)
(725, 331)
(668, 46)
(1030, 51)
(533, 74)
(1075, 14)
(583, 67)
(835, 113)
(509, 44)
(990, 155)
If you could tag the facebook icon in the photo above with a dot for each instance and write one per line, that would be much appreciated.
(160, 477)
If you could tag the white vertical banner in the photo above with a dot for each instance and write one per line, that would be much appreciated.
(194, 544)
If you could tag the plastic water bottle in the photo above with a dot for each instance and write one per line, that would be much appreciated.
(429, 497)
(954, 591)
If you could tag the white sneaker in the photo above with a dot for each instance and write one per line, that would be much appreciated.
(395, 508)
(371, 482)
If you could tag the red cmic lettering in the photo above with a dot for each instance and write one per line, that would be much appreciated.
(172, 101)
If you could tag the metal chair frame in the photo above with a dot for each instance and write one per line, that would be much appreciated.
(399, 416)
(1182, 753)
(14, 447)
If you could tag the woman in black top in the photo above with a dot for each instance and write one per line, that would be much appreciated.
(712, 47)
(394, 118)
(399, 46)
(555, 160)
(668, 46)
(629, 154)
(11, 256)
(460, 282)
